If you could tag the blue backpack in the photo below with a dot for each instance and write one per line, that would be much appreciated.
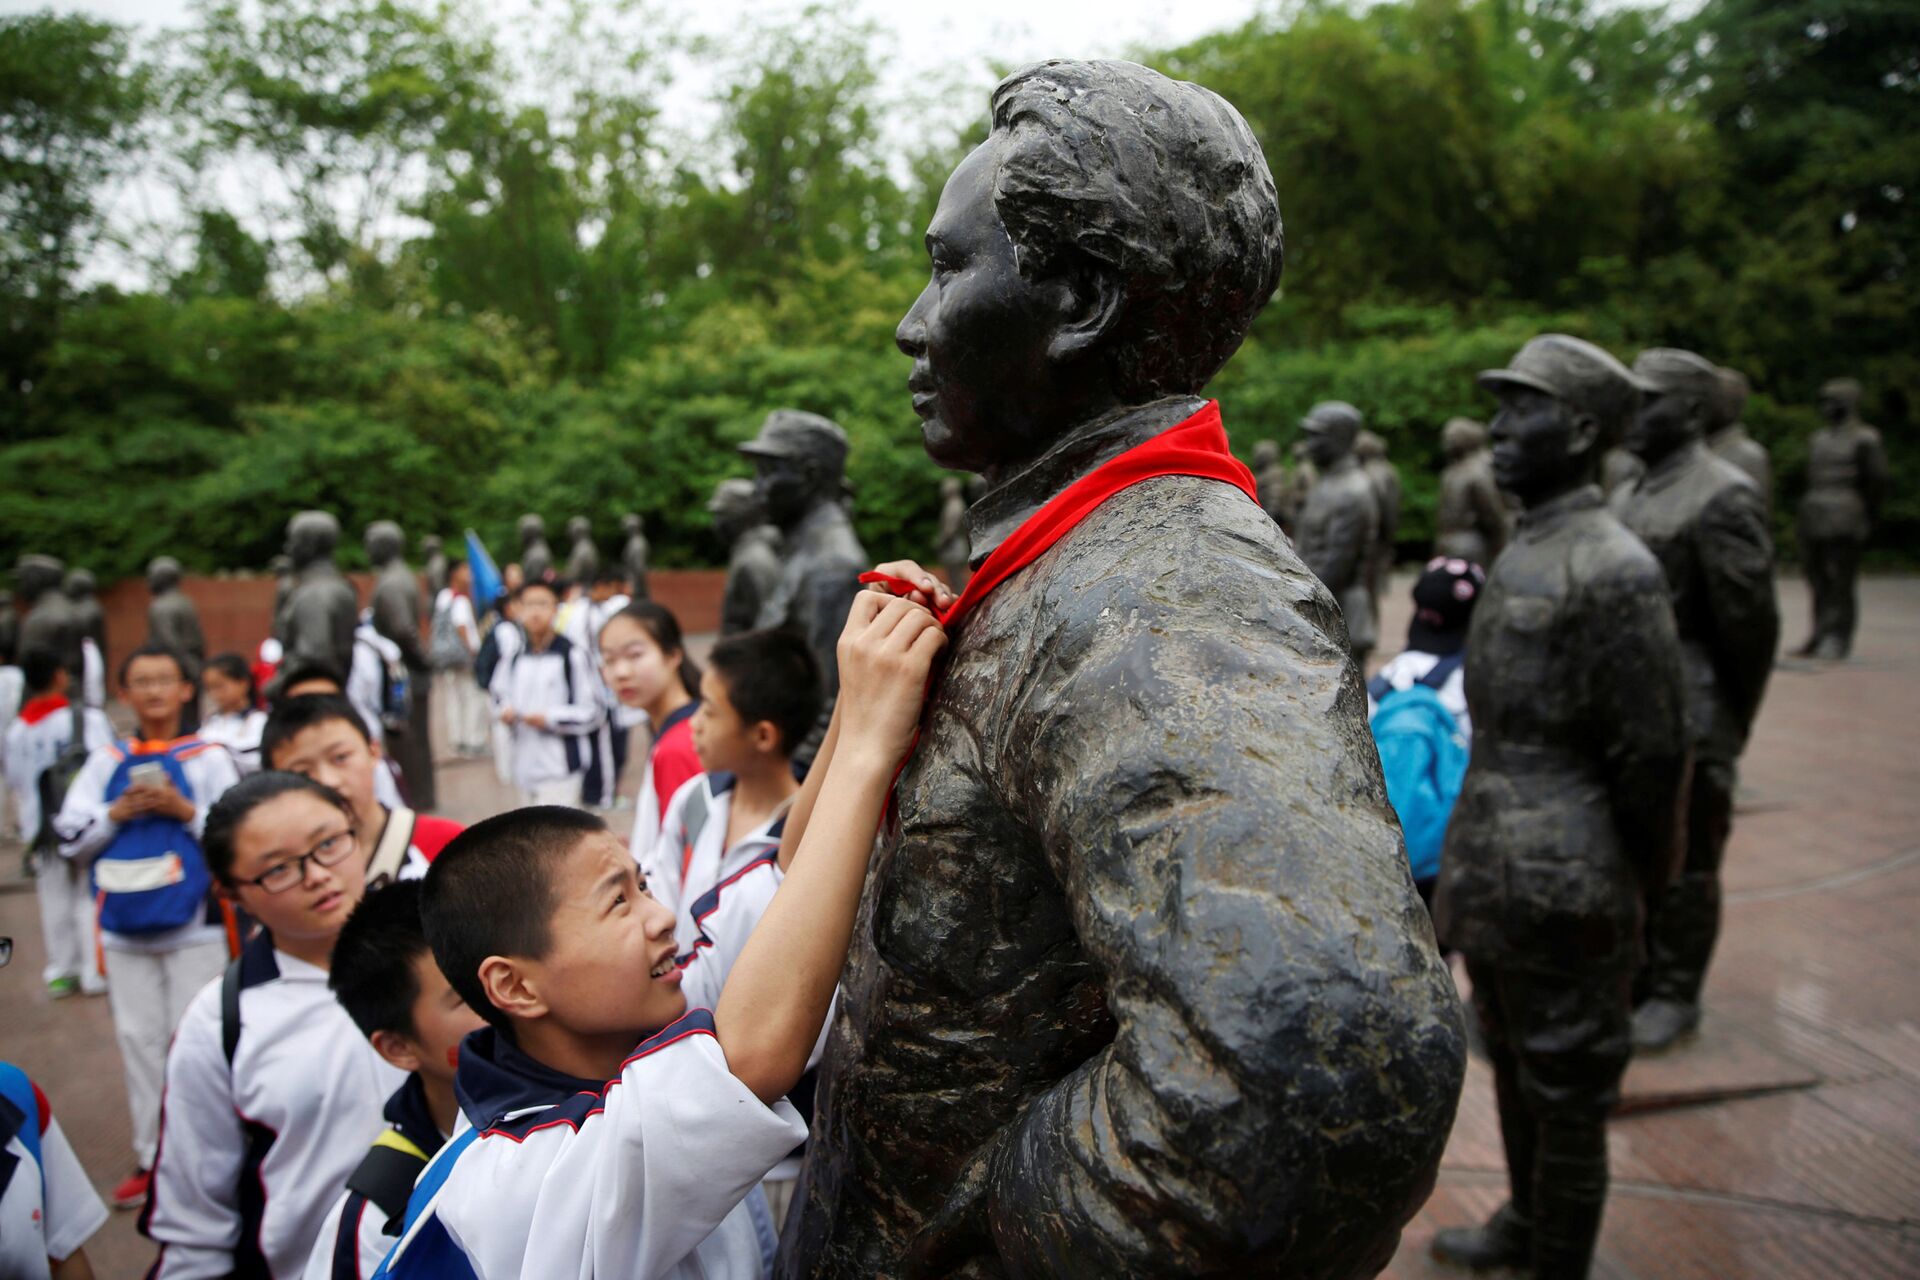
(1424, 756)
(152, 877)
(19, 1118)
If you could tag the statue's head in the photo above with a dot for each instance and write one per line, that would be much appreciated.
(631, 523)
(311, 537)
(1266, 453)
(1329, 431)
(280, 565)
(430, 545)
(1108, 244)
(383, 542)
(1680, 397)
(1731, 406)
(951, 487)
(1462, 436)
(1563, 403)
(799, 462)
(579, 529)
(1369, 446)
(35, 575)
(1840, 400)
(532, 528)
(735, 508)
(80, 584)
(163, 574)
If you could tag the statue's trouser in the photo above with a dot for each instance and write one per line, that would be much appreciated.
(1559, 1042)
(1833, 575)
(416, 746)
(1684, 921)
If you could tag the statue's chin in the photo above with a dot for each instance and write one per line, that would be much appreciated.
(943, 446)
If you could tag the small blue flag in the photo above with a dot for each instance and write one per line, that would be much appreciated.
(487, 586)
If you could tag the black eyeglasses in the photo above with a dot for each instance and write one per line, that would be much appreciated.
(282, 876)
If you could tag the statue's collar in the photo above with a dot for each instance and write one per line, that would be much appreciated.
(1550, 514)
(1007, 506)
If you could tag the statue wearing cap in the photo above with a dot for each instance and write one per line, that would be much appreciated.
(1706, 523)
(433, 564)
(800, 462)
(1270, 479)
(1140, 985)
(399, 614)
(1568, 814)
(1339, 528)
(1729, 441)
(536, 557)
(634, 554)
(1470, 520)
(753, 554)
(51, 625)
(583, 558)
(316, 623)
(1846, 481)
(1370, 447)
(80, 588)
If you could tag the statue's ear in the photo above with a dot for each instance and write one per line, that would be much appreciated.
(1090, 310)
(1583, 436)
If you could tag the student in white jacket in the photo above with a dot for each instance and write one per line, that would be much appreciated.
(547, 694)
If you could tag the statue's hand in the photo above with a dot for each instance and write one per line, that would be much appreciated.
(959, 1230)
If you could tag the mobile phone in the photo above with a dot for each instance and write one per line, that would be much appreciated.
(149, 773)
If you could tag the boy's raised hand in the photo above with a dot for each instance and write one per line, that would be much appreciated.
(886, 654)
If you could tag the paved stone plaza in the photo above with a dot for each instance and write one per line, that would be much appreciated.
(1783, 1143)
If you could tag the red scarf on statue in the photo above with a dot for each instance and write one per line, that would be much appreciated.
(1196, 447)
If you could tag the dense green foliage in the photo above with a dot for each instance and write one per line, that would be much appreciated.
(422, 268)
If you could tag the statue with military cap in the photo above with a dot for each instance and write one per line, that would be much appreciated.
(174, 621)
(634, 554)
(753, 553)
(1270, 479)
(399, 614)
(1706, 523)
(1728, 438)
(1371, 449)
(583, 558)
(799, 462)
(536, 557)
(1339, 530)
(51, 624)
(1140, 985)
(1846, 481)
(1470, 520)
(81, 588)
(315, 624)
(433, 564)
(1568, 816)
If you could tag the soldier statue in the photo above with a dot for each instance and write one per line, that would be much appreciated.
(1618, 469)
(174, 621)
(753, 554)
(536, 557)
(1112, 1007)
(1568, 816)
(1371, 449)
(1270, 479)
(634, 554)
(583, 558)
(1340, 524)
(399, 614)
(1707, 525)
(51, 624)
(1846, 480)
(1729, 440)
(1470, 520)
(82, 589)
(433, 564)
(316, 623)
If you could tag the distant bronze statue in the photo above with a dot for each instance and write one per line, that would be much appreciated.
(1707, 525)
(583, 558)
(955, 547)
(9, 628)
(281, 567)
(1470, 520)
(1729, 440)
(634, 554)
(174, 621)
(536, 557)
(51, 624)
(400, 613)
(1568, 817)
(1340, 524)
(753, 554)
(1371, 449)
(81, 590)
(433, 566)
(800, 464)
(1293, 495)
(1270, 479)
(1112, 1008)
(1619, 468)
(1846, 481)
(316, 623)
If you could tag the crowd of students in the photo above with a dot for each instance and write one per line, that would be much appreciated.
(360, 1040)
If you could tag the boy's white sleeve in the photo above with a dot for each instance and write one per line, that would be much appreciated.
(665, 850)
(583, 713)
(82, 823)
(726, 916)
(625, 1183)
(73, 1209)
(210, 772)
(193, 1211)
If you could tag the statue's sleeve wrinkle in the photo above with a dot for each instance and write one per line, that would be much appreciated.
(1736, 566)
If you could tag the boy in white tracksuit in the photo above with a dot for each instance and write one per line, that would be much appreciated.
(547, 694)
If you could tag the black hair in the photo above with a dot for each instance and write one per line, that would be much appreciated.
(771, 675)
(551, 588)
(610, 575)
(241, 799)
(490, 893)
(38, 667)
(658, 622)
(152, 651)
(235, 667)
(301, 670)
(295, 716)
(371, 973)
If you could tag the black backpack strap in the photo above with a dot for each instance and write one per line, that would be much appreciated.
(230, 1009)
(386, 1176)
(1442, 671)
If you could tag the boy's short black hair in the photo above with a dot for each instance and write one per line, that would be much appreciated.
(299, 671)
(241, 799)
(372, 970)
(236, 668)
(490, 893)
(770, 675)
(610, 575)
(539, 584)
(38, 669)
(294, 716)
(152, 651)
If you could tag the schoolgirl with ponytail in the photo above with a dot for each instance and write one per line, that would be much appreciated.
(647, 667)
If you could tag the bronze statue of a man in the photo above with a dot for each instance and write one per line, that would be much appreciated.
(800, 462)
(1470, 520)
(399, 613)
(81, 589)
(1568, 815)
(753, 554)
(1618, 469)
(1340, 524)
(316, 622)
(51, 624)
(1371, 448)
(583, 558)
(1707, 525)
(433, 566)
(1293, 494)
(1270, 479)
(1140, 985)
(172, 618)
(635, 553)
(1728, 438)
(1846, 480)
(536, 557)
